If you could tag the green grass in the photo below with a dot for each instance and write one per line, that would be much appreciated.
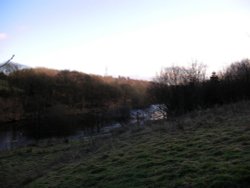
(209, 148)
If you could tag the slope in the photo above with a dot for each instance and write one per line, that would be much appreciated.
(209, 148)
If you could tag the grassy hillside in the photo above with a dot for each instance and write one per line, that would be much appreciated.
(209, 148)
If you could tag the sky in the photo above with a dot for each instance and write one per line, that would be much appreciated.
(134, 38)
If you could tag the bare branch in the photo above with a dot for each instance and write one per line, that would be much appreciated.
(8, 61)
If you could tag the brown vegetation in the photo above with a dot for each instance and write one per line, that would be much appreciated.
(36, 91)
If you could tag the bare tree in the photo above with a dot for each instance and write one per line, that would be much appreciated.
(172, 76)
(196, 73)
(176, 75)
(7, 62)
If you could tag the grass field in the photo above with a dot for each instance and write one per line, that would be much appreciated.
(208, 148)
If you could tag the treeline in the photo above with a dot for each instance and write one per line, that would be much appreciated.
(39, 92)
(184, 89)
(42, 91)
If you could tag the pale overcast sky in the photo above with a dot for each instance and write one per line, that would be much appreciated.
(133, 38)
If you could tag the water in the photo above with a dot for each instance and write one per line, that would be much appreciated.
(152, 113)
(23, 133)
(13, 136)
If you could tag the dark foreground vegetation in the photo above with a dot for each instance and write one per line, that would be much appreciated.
(208, 148)
(184, 89)
(55, 98)
(43, 93)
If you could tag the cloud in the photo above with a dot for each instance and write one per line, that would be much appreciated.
(3, 36)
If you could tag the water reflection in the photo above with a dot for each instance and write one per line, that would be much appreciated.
(12, 136)
(23, 133)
